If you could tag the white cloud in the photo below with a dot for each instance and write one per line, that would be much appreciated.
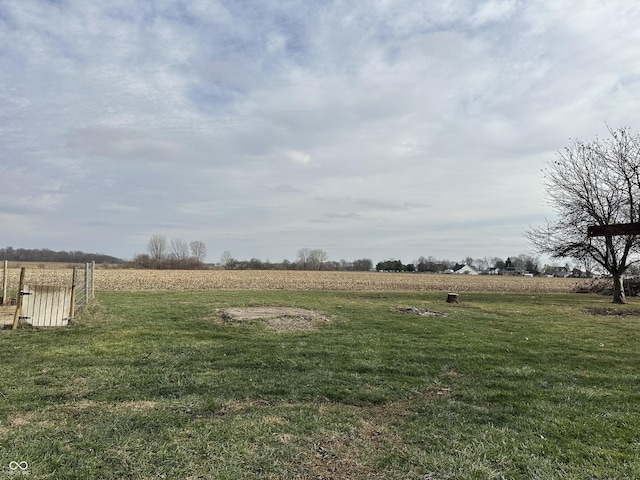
(297, 157)
(421, 126)
(493, 11)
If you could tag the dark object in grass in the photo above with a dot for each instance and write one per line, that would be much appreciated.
(610, 311)
(452, 298)
(421, 312)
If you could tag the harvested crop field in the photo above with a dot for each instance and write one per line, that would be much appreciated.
(177, 280)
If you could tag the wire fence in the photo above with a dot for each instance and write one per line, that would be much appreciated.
(16, 279)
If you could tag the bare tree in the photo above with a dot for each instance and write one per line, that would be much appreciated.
(496, 262)
(198, 250)
(227, 260)
(304, 254)
(528, 263)
(362, 265)
(311, 259)
(157, 247)
(179, 250)
(317, 259)
(596, 183)
(481, 264)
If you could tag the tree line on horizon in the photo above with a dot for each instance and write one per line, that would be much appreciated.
(317, 259)
(519, 263)
(176, 253)
(47, 255)
(306, 259)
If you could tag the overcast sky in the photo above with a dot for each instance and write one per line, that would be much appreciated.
(367, 128)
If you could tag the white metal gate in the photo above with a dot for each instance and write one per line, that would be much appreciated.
(46, 305)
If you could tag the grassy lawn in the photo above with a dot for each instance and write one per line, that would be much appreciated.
(155, 385)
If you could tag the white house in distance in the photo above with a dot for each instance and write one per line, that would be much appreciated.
(465, 269)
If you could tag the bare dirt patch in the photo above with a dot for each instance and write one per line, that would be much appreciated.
(279, 319)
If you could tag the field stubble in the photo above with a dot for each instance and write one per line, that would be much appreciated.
(186, 280)
(145, 280)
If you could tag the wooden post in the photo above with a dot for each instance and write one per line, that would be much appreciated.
(16, 316)
(5, 280)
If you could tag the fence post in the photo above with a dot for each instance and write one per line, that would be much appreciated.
(72, 308)
(93, 273)
(86, 283)
(16, 316)
(5, 278)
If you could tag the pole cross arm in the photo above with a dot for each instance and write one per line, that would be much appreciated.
(614, 229)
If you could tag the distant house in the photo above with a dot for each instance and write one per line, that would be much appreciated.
(464, 269)
(558, 271)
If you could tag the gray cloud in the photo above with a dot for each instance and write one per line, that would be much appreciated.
(380, 128)
(124, 143)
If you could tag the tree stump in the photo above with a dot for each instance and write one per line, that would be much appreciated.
(452, 298)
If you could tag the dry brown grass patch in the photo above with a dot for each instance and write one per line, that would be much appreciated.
(6, 315)
(18, 420)
(233, 408)
(341, 455)
(85, 406)
(276, 318)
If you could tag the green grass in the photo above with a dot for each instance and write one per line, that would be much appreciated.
(154, 385)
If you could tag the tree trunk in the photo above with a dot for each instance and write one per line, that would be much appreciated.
(618, 289)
